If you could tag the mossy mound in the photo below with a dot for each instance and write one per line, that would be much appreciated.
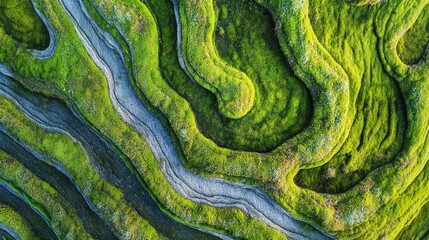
(19, 20)
(321, 104)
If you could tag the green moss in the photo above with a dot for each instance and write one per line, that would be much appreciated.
(377, 134)
(369, 109)
(9, 217)
(411, 48)
(19, 20)
(87, 92)
(282, 104)
(103, 195)
(203, 216)
(42, 197)
(417, 228)
(233, 89)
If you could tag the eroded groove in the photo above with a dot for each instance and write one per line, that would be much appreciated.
(107, 54)
(35, 218)
(357, 169)
(54, 115)
(61, 182)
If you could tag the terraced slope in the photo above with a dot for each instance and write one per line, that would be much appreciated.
(201, 119)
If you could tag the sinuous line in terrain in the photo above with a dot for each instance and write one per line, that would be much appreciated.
(145, 145)
(107, 54)
(54, 115)
(8, 233)
(34, 217)
(61, 182)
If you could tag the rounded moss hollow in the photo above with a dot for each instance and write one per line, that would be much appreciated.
(19, 20)
(244, 38)
(233, 89)
(413, 46)
(366, 165)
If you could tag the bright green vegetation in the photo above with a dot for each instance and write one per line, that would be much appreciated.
(417, 228)
(62, 217)
(106, 197)
(19, 20)
(231, 221)
(9, 217)
(376, 135)
(412, 46)
(282, 105)
(234, 91)
(84, 87)
(385, 195)
(336, 131)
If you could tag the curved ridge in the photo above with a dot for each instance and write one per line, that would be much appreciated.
(32, 215)
(106, 53)
(234, 90)
(53, 115)
(49, 51)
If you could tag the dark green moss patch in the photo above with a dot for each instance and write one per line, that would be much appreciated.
(245, 38)
(20, 21)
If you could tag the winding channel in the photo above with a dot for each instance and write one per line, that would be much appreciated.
(54, 115)
(8, 233)
(22, 206)
(108, 56)
(65, 186)
(49, 51)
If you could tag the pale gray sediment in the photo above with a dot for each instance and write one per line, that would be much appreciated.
(49, 51)
(53, 115)
(65, 186)
(108, 56)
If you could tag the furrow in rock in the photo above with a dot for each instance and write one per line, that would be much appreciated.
(53, 115)
(34, 217)
(58, 180)
(49, 51)
(108, 56)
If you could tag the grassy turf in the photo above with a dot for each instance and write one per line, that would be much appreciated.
(104, 196)
(411, 48)
(20, 21)
(369, 108)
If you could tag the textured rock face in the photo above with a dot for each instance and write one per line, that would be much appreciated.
(200, 119)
